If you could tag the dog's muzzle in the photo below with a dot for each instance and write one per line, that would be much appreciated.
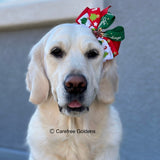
(75, 86)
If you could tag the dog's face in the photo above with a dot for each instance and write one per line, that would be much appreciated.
(73, 61)
(67, 63)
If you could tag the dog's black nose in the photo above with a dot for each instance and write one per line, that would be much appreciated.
(75, 84)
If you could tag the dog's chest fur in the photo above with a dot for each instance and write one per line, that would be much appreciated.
(62, 145)
(74, 147)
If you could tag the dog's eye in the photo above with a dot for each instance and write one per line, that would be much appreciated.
(92, 54)
(57, 52)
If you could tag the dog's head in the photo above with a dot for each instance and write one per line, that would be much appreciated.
(67, 64)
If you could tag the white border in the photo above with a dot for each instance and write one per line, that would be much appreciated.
(29, 12)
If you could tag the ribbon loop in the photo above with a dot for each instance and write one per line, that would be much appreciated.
(105, 11)
(115, 34)
(106, 21)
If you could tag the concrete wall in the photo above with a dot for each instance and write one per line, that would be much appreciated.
(15, 110)
(138, 98)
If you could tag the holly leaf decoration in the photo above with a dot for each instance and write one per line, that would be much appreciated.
(100, 42)
(105, 54)
(83, 20)
(93, 17)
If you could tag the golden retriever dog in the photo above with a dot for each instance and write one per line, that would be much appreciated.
(73, 90)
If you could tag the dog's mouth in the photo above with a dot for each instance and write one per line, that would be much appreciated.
(74, 108)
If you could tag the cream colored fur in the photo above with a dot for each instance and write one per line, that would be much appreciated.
(44, 80)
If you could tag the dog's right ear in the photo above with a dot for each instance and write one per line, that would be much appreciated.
(36, 79)
(108, 83)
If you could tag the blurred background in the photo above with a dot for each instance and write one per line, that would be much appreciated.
(24, 22)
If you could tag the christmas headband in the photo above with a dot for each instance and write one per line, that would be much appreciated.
(98, 21)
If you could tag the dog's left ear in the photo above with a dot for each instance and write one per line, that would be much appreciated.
(108, 83)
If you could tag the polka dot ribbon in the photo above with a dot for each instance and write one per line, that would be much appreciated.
(99, 21)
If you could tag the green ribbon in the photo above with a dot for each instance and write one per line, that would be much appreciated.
(106, 20)
(115, 34)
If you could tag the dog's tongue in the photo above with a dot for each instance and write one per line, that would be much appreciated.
(74, 104)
